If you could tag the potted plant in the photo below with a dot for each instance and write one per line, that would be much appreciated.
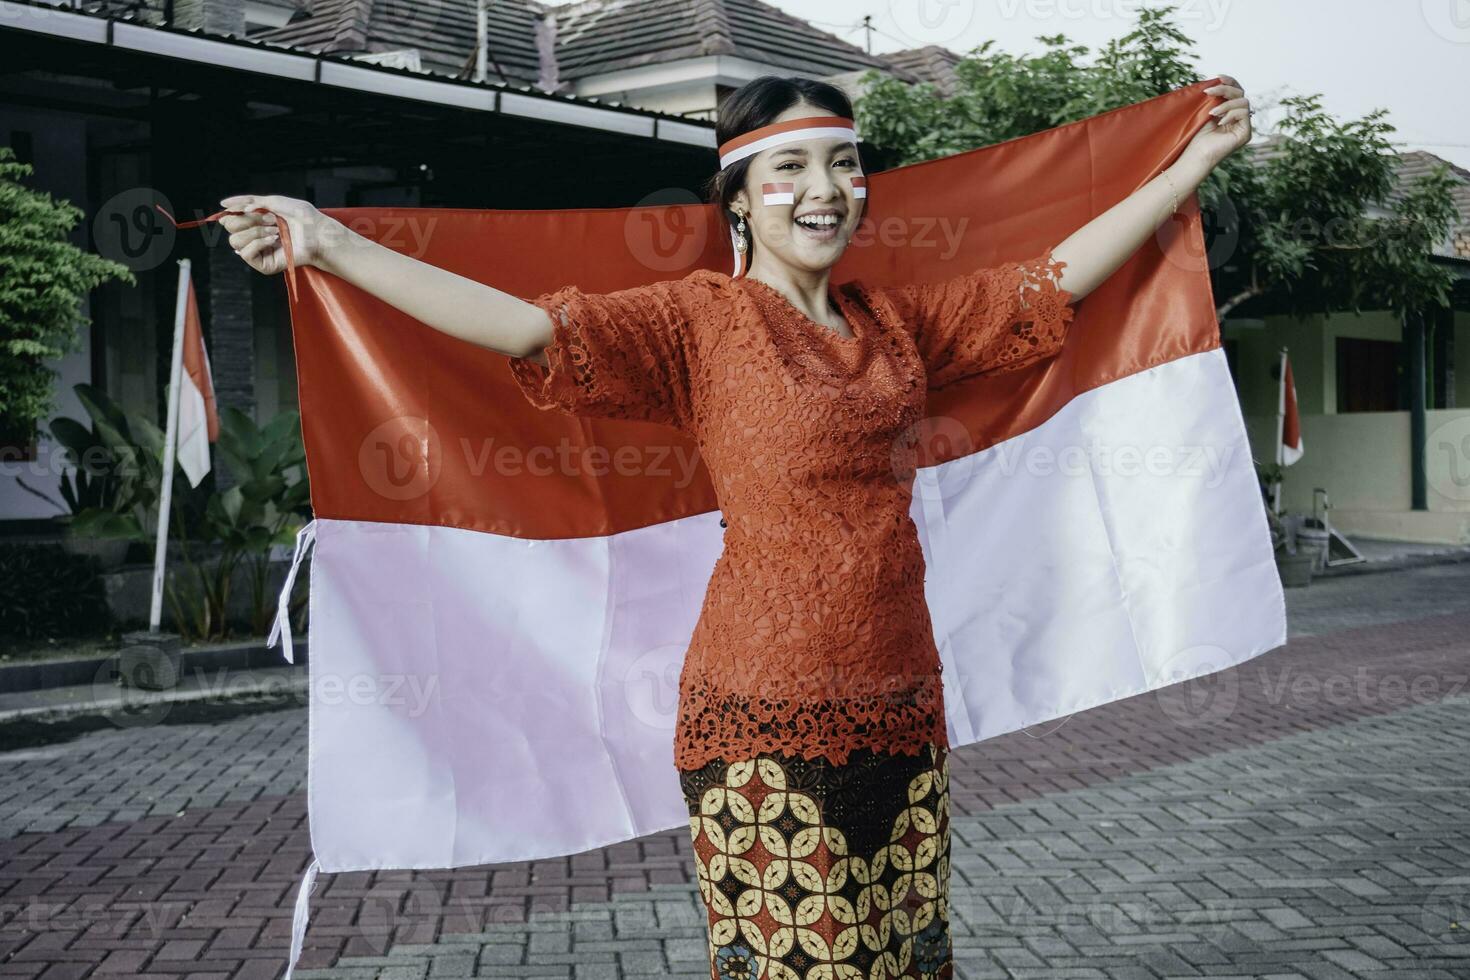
(1294, 566)
(269, 501)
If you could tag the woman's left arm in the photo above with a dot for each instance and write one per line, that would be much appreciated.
(1098, 248)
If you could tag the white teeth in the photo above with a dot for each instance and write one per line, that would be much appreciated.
(818, 220)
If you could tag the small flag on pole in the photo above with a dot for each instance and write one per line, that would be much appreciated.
(198, 421)
(1289, 448)
(190, 425)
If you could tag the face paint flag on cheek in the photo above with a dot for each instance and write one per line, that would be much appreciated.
(860, 187)
(777, 194)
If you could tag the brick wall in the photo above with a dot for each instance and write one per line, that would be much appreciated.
(231, 338)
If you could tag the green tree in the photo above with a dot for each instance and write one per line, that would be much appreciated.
(1313, 216)
(43, 280)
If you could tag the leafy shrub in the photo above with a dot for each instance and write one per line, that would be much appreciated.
(43, 280)
(48, 591)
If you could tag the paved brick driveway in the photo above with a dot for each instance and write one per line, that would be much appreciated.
(1302, 816)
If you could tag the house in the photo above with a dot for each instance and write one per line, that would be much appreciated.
(933, 64)
(347, 102)
(675, 56)
(370, 102)
(117, 115)
(1384, 403)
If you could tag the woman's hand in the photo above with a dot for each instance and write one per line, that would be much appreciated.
(255, 235)
(1228, 131)
(447, 301)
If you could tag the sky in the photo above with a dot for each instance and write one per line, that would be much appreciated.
(1411, 57)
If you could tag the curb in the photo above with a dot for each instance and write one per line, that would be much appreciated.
(76, 671)
(1449, 557)
(124, 707)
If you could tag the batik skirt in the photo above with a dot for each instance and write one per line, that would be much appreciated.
(813, 869)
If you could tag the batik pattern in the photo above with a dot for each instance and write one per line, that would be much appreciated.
(812, 870)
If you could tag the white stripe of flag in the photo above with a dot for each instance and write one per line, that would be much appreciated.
(781, 193)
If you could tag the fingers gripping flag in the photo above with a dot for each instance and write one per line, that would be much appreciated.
(529, 603)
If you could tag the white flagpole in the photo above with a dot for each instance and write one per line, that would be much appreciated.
(170, 439)
(1280, 435)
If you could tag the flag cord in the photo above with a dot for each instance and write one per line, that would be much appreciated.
(299, 916)
(282, 226)
(305, 537)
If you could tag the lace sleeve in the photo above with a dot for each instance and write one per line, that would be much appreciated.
(618, 355)
(990, 321)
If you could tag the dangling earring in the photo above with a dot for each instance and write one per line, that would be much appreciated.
(741, 242)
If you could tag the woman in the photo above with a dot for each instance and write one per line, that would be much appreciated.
(811, 740)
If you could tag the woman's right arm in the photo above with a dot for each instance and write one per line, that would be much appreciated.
(444, 300)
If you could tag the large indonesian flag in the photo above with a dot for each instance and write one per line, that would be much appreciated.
(501, 597)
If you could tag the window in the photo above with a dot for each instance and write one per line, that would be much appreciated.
(1368, 376)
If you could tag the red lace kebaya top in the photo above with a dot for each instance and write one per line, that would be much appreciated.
(814, 637)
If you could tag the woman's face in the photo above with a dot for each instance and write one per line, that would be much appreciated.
(811, 233)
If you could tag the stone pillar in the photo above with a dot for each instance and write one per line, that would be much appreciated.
(198, 160)
(1415, 367)
(1444, 357)
(231, 330)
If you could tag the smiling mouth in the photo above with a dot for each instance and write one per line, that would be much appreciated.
(820, 227)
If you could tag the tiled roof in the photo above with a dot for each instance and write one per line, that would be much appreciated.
(286, 6)
(151, 11)
(932, 63)
(442, 31)
(1417, 163)
(597, 36)
(591, 37)
(1408, 167)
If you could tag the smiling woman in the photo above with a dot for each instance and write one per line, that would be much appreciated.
(792, 138)
(811, 737)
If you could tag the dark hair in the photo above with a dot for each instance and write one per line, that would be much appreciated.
(755, 104)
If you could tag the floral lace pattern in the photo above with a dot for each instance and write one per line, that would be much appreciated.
(613, 355)
(998, 319)
(814, 637)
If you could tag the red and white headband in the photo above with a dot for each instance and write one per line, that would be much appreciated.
(778, 134)
(790, 131)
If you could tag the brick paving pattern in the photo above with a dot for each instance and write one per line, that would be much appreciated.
(1301, 816)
